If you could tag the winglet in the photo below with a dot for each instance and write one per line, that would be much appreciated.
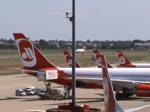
(109, 98)
(123, 60)
(31, 57)
(68, 59)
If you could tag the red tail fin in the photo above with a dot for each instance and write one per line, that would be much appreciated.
(123, 61)
(109, 98)
(30, 55)
(68, 59)
(95, 51)
(96, 54)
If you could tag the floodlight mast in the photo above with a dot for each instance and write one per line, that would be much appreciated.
(72, 20)
(73, 57)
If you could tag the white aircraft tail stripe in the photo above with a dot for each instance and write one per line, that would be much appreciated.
(29, 53)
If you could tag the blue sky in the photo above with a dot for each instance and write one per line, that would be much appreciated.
(95, 19)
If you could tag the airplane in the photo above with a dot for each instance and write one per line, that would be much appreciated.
(35, 64)
(129, 81)
(141, 86)
(68, 59)
(110, 102)
(124, 62)
(95, 52)
(80, 51)
(147, 92)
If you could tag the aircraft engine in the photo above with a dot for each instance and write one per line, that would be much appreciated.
(143, 90)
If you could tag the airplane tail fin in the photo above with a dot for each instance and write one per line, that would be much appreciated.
(68, 59)
(96, 54)
(109, 99)
(123, 60)
(31, 57)
(95, 51)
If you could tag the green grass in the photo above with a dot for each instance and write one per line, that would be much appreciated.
(57, 57)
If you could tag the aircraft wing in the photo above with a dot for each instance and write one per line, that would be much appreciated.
(31, 71)
(136, 108)
(116, 82)
(130, 81)
(24, 70)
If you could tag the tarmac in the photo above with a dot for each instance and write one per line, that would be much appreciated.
(92, 97)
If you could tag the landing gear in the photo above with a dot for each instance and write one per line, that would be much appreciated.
(123, 94)
(67, 90)
(48, 85)
(46, 94)
(120, 96)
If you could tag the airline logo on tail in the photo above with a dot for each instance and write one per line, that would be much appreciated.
(122, 60)
(97, 56)
(68, 58)
(27, 52)
(69, 61)
(98, 60)
(31, 57)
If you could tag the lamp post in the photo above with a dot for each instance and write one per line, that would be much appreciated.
(73, 57)
(71, 18)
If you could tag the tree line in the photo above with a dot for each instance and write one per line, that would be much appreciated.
(61, 44)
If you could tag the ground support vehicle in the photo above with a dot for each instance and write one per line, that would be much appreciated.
(52, 94)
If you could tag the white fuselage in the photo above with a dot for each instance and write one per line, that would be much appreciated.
(123, 76)
(133, 74)
(142, 65)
